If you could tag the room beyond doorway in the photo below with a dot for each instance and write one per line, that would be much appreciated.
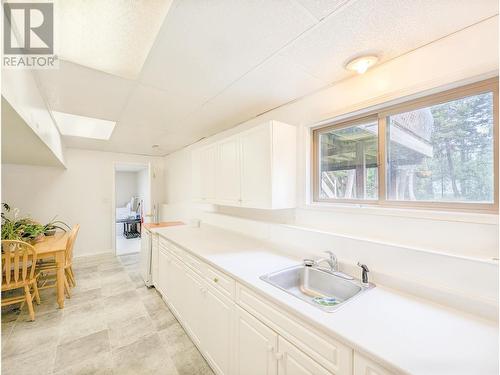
(132, 200)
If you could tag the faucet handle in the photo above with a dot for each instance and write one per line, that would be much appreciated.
(364, 267)
(364, 273)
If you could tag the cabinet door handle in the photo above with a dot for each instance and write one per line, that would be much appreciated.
(216, 280)
(278, 356)
(270, 348)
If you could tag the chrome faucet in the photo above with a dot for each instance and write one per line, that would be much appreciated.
(364, 274)
(331, 260)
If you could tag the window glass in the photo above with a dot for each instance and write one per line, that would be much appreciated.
(442, 153)
(348, 162)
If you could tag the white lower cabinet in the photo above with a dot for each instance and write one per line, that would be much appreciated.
(216, 338)
(193, 298)
(163, 261)
(241, 333)
(260, 350)
(255, 347)
(154, 258)
(292, 361)
(364, 366)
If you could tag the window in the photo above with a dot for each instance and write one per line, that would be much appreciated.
(439, 151)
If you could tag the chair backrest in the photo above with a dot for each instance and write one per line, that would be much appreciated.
(71, 243)
(18, 262)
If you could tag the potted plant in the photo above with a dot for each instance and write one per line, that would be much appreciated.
(51, 227)
(22, 229)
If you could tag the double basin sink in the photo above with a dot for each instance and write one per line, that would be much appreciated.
(323, 289)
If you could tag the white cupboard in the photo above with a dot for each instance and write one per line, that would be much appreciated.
(154, 258)
(216, 338)
(227, 172)
(255, 168)
(292, 361)
(363, 366)
(255, 346)
(241, 333)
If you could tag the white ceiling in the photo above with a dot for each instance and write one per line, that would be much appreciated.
(217, 63)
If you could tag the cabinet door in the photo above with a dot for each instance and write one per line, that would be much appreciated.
(207, 159)
(176, 287)
(163, 271)
(196, 175)
(255, 346)
(154, 259)
(292, 361)
(228, 168)
(216, 336)
(364, 366)
(256, 167)
(194, 312)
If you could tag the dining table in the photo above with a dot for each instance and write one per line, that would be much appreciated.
(54, 247)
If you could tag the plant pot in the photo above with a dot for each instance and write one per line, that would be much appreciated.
(38, 238)
(50, 232)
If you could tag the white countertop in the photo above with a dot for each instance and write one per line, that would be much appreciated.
(401, 332)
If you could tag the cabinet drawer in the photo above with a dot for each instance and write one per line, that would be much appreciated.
(194, 263)
(220, 281)
(331, 354)
(365, 366)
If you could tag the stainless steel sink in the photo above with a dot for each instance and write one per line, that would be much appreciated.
(326, 290)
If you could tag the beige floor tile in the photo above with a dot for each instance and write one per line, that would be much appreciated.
(110, 331)
(83, 297)
(101, 364)
(38, 361)
(75, 352)
(190, 362)
(82, 320)
(146, 356)
(29, 340)
(126, 333)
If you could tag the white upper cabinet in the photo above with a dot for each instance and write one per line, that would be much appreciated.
(203, 160)
(227, 172)
(255, 168)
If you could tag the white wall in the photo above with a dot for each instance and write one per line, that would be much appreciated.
(143, 188)
(443, 256)
(21, 89)
(82, 193)
(126, 187)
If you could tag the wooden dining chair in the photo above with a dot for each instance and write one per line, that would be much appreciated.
(48, 269)
(19, 271)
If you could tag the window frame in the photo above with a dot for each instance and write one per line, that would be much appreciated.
(489, 85)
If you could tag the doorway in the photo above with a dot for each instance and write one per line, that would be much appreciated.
(132, 200)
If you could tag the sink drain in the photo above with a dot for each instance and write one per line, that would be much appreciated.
(326, 301)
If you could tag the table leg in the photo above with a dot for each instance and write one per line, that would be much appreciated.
(60, 278)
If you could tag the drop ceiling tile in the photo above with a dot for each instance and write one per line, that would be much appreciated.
(204, 46)
(83, 91)
(389, 28)
(151, 108)
(322, 8)
(274, 83)
(110, 36)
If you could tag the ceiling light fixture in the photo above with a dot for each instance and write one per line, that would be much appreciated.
(361, 64)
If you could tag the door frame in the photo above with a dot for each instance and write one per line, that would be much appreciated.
(146, 165)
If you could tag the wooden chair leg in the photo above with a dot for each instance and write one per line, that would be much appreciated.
(66, 287)
(29, 301)
(68, 277)
(36, 293)
(73, 279)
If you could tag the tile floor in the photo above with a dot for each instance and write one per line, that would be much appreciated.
(111, 325)
(127, 245)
